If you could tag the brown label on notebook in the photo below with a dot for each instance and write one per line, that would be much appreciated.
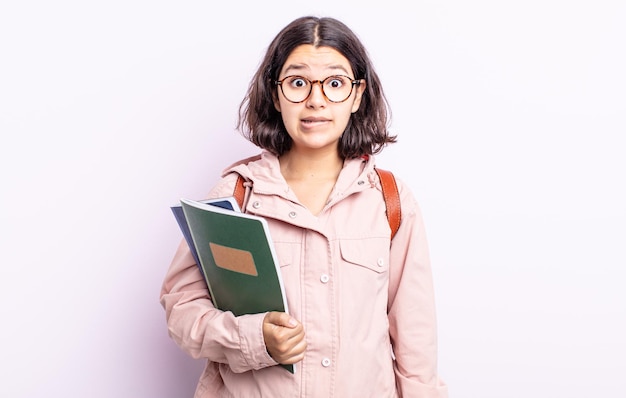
(233, 259)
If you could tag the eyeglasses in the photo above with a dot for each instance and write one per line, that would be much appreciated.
(336, 88)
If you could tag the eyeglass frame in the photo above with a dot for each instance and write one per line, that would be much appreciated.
(353, 82)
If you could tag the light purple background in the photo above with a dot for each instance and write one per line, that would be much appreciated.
(511, 118)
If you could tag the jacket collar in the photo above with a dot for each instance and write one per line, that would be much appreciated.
(263, 170)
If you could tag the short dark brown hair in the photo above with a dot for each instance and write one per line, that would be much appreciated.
(259, 121)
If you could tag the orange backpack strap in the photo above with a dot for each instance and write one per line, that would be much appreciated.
(240, 191)
(392, 199)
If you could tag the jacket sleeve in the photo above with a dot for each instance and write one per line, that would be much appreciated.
(197, 327)
(412, 319)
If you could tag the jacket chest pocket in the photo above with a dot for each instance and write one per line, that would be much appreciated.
(371, 254)
(287, 253)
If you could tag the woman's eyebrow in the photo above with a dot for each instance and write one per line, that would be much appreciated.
(338, 67)
(295, 67)
(301, 67)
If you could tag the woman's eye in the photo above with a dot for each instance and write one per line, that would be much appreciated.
(298, 83)
(335, 83)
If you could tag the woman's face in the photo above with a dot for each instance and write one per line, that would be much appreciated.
(316, 123)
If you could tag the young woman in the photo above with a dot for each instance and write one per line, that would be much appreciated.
(362, 314)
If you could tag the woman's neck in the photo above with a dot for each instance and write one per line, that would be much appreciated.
(311, 178)
(307, 166)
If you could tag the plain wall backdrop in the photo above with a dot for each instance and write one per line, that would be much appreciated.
(511, 125)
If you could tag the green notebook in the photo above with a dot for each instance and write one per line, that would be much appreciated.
(237, 256)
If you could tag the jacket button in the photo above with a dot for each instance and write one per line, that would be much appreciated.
(380, 262)
(292, 214)
(324, 278)
(256, 204)
(325, 362)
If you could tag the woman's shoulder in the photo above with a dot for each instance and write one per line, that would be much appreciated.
(254, 164)
(404, 189)
(257, 167)
(241, 162)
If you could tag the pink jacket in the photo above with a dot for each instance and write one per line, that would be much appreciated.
(367, 306)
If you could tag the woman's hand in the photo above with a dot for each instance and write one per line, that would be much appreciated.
(284, 337)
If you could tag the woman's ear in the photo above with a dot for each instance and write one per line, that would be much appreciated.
(360, 89)
(276, 101)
